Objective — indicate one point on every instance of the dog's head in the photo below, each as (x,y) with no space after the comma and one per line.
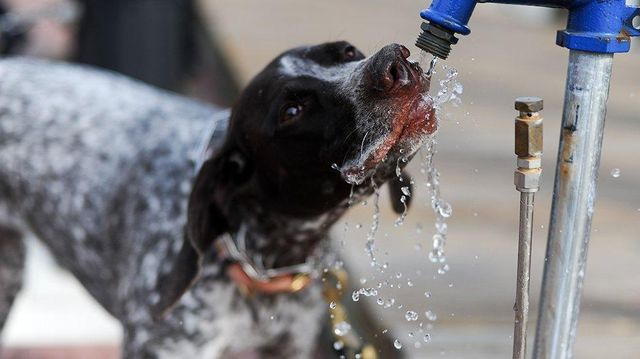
(316,114)
(316,122)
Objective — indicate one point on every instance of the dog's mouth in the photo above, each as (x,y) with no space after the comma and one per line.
(411,120)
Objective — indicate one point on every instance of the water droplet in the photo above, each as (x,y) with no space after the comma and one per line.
(438,240)
(398,275)
(355,296)
(409,283)
(427,338)
(436,256)
(368,292)
(427,294)
(335,166)
(444,269)
(615,173)
(431,315)
(444,209)
(338,345)
(411,316)
(332,305)
(405,191)
(389,303)
(450,285)
(380,301)
(342,328)
(397,344)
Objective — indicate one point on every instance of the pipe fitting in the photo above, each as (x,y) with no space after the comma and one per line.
(528,144)
(436,40)
(527,180)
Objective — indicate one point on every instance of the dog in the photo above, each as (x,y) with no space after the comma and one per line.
(202,230)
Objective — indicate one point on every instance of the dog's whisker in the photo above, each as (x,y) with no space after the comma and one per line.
(362,146)
(349,135)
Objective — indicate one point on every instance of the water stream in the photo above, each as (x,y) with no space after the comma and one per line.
(448,93)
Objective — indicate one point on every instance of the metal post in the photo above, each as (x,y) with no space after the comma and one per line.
(528,148)
(522,282)
(574,195)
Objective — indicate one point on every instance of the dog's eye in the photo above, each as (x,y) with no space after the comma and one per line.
(349,53)
(290,112)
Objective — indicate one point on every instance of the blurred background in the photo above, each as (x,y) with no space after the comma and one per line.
(511,52)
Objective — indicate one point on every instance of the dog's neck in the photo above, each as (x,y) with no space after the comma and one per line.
(279,240)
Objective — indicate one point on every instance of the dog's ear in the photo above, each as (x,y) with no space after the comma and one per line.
(396,193)
(206,221)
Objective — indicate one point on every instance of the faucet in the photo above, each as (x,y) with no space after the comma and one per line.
(593,25)
(596,29)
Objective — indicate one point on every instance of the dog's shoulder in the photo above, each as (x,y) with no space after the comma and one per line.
(94,158)
(57,114)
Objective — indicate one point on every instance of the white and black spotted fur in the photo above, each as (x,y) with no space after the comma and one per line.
(107,173)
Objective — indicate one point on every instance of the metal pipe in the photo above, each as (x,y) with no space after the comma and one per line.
(528,148)
(524,268)
(574,194)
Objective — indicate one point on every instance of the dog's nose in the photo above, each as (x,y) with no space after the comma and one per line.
(390,68)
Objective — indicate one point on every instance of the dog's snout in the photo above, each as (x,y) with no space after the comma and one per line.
(404,52)
(390,69)
(396,75)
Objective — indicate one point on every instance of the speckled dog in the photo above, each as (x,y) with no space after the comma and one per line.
(149,198)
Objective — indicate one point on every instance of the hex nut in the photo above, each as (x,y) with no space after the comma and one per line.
(529,162)
(439,32)
(528,135)
(529,104)
(527,180)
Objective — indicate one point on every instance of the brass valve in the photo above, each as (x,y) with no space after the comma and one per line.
(528,144)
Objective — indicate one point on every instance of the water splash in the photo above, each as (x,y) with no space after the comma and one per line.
(411,316)
(441,208)
(450,90)
(367,292)
(406,193)
(375,224)
(422,60)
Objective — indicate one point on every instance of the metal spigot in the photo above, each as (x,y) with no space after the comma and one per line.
(592,26)
(528,148)
(436,40)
